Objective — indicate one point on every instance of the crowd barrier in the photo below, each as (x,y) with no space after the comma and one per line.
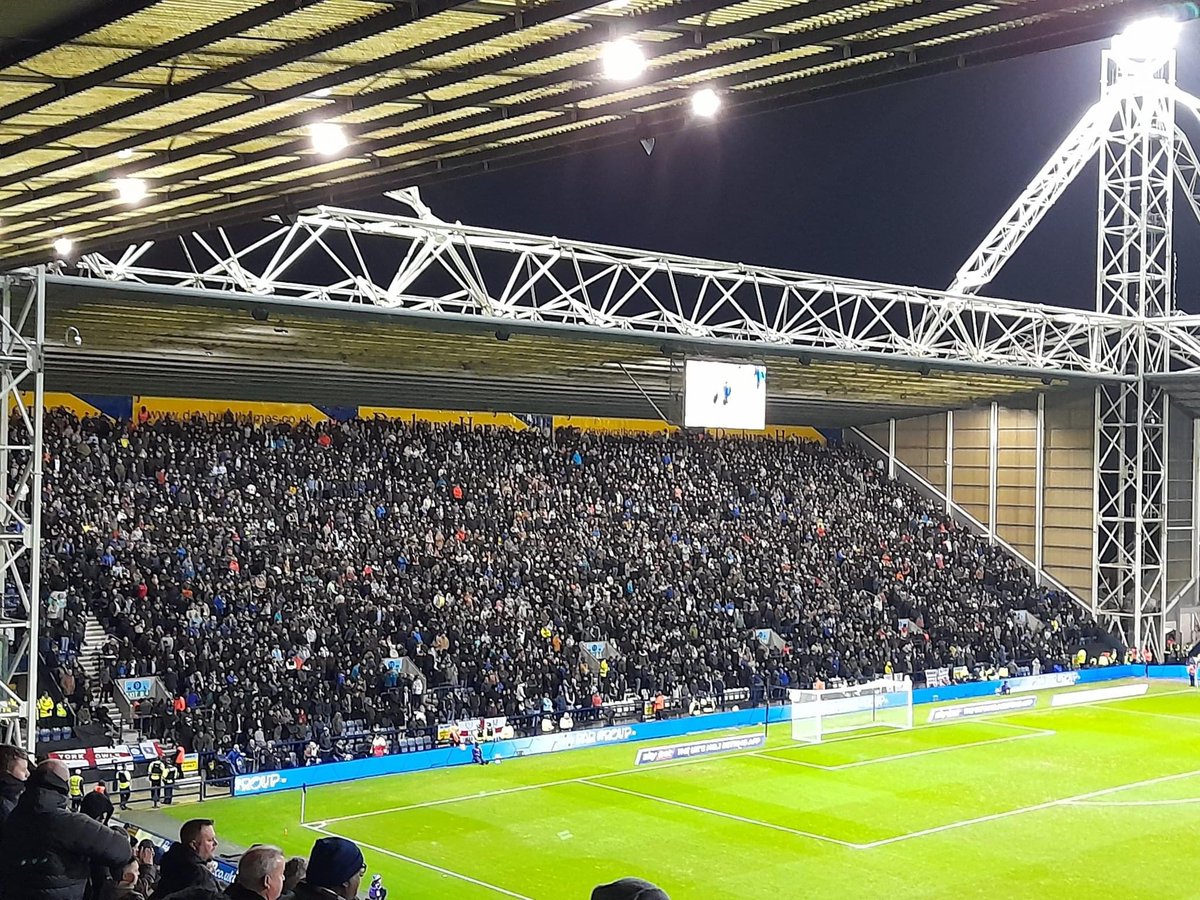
(330,773)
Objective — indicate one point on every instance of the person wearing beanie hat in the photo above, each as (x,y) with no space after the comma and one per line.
(335,869)
(629,889)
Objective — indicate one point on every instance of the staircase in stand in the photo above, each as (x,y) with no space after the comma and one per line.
(91,663)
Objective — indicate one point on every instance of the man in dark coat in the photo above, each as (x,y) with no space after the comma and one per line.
(46,851)
(185,865)
(14,770)
(335,870)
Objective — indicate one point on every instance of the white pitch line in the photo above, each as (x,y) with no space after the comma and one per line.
(482,795)
(1191,720)
(1049,804)
(435,868)
(793,762)
(1183,801)
(932,750)
(724,815)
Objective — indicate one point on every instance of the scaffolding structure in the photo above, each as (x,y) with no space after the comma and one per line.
(22,346)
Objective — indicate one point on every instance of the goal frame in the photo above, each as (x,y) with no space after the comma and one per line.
(882,703)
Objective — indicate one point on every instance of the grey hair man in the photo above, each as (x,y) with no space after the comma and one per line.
(259,875)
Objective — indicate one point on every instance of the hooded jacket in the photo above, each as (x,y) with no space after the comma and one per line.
(180,869)
(46,851)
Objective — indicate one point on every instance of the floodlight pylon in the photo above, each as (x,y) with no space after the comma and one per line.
(1143,152)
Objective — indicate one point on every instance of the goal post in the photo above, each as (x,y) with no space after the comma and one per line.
(885,703)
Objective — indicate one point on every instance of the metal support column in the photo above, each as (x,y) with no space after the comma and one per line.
(993,467)
(1137,174)
(22,346)
(891,449)
(949,461)
(1039,490)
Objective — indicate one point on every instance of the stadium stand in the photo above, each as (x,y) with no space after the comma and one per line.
(272,574)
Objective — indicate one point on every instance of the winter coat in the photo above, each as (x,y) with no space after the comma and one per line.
(46,851)
(181,868)
(10,791)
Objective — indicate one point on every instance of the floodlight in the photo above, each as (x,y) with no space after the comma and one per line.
(327,138)
(1147,38)
(705,102)
(125,154)
(130,190)
(63,246)
(321,92)
(623,60)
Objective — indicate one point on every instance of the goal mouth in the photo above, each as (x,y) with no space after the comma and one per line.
(881,704)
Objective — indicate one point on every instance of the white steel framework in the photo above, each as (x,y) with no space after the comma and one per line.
(1144,154)
(1134,335)
(22,343)
(452,268)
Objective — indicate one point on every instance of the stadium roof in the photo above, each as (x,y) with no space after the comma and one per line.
(160,341)
(210,101)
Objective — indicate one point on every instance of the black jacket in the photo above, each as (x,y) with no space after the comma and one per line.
(181,868)
(46,851)
(10,790)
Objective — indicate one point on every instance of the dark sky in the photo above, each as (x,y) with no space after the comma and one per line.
(897,184)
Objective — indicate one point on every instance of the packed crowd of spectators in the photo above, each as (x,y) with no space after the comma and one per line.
(273,575)
(50,852)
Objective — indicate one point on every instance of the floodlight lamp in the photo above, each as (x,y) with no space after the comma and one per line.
(1147,38)
(130,190)
(705,103)
(63,246)
(328,138)
(125,154)
(623,60)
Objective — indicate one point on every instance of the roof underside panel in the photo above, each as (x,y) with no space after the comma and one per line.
(211,101)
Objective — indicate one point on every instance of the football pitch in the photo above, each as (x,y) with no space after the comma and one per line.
(1046,802)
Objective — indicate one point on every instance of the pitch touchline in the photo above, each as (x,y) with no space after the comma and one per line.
(426,865)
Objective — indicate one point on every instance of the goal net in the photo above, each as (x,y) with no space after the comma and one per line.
(886,703)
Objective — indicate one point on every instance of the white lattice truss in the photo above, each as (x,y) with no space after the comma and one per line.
(1134,334)
(452,268)
(22,338)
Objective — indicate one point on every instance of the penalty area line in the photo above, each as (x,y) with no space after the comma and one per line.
(450,873)
(721,814)
(1076,800)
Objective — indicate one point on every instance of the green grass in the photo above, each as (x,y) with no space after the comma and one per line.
(893,814)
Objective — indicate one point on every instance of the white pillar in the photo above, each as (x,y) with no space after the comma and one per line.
(949,461)
(993,455)
(1039,490)
(892,449)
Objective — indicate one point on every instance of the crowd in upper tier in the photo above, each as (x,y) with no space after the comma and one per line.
(273,575)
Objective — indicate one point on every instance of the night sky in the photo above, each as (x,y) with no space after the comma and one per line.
(897,184)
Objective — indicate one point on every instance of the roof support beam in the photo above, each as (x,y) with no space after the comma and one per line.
(22,49)
(288,53)
(342,105)
(244,21)
(561,103)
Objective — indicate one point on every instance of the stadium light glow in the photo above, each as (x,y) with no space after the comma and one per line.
(125,154)
(131,190)
(1147,38)
(328,138)
(705,103)
(623,60)
(63,246)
